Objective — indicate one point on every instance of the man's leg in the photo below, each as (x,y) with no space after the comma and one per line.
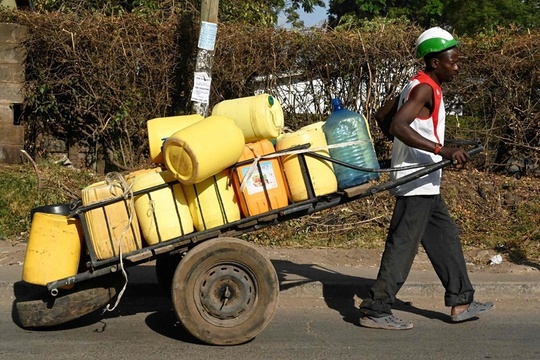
(443,247)
(409,220)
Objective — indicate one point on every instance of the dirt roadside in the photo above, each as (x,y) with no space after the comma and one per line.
(12,253)
(477,260)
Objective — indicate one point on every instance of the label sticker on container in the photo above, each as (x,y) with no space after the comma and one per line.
(254,184)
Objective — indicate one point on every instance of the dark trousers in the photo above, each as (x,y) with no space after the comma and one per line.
(419,219)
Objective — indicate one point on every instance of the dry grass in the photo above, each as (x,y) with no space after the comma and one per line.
(492,211)
(23,188)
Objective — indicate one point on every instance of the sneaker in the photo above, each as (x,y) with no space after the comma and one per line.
(389,322)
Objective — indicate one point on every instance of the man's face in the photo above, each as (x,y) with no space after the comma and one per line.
(447,65)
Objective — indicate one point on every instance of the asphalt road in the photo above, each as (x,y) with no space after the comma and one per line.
(302,328)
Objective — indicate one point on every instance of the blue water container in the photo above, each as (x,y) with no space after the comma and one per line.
(344,126)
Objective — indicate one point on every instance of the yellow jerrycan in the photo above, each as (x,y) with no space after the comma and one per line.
(321,172)
(159,129)
(203,149)
(54,248)
(163,214)
(212,202)
(114,227)
(260,116)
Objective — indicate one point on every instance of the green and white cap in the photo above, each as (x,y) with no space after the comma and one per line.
(434,40)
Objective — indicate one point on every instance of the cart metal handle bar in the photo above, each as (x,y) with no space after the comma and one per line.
(418,174)
(384,170)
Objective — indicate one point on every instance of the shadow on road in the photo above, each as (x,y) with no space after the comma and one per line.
(340,290)
(518,256)
(529,263)
(340,293)
(136,300)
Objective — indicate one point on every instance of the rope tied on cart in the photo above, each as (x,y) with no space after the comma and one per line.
(151,208)
(254,165)
(116,180)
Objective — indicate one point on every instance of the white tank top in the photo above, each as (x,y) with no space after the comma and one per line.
(431,128)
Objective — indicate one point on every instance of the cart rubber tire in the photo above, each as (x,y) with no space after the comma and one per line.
(35,307)
(165,267)
(224,291)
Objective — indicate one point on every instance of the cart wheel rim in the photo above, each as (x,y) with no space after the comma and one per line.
(226,294)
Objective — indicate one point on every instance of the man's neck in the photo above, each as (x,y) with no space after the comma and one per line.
(433,76)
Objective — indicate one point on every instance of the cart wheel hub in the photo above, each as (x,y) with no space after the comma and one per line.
(226,292)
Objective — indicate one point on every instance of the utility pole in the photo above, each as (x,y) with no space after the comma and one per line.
(200,95)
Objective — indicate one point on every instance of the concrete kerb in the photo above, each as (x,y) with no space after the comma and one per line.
(311,280)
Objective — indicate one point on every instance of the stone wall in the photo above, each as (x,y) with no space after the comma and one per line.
(11,82)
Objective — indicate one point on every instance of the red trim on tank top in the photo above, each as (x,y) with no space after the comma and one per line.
(424,78)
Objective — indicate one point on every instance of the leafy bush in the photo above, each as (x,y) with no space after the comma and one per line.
(94,80)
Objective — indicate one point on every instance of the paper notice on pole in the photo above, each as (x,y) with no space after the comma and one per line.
(201,88)
(207,36)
